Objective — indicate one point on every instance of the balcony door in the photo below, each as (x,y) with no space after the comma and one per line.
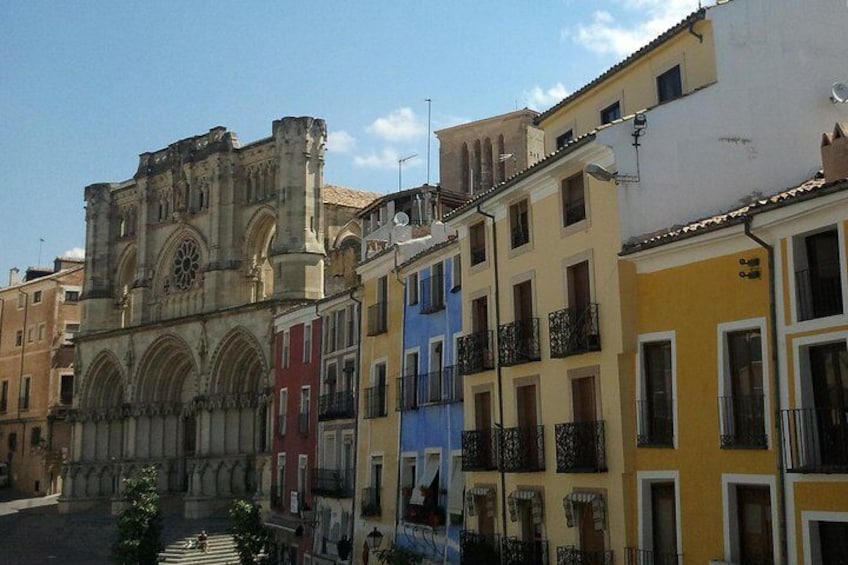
(480,315)
(485,515)
(663,519)
(583,399)
(753,506)
(483,411)
(829,368)
(825,284)
(528,420)
(579,295)
(591,540)
(585,416)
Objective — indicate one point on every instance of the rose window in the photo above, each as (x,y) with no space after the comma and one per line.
(186,265)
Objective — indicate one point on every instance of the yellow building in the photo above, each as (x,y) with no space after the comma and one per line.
(742,380)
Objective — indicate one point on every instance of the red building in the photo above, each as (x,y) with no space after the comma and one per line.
(297,345)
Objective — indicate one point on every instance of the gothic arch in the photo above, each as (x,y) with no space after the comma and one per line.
(103,384)
(167,372)
(165,257)
(352,229)
(124,278)
(238,364)
(261,229)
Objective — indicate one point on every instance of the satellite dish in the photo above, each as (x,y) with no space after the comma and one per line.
(839,93)
(401,219)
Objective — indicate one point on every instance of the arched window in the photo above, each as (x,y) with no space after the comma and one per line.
(465,170)
(487,179)
(475,185)
(502,158)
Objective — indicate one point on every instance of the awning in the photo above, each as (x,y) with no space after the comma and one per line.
(457,482)
(471,499)
(430,471)
(533,496)
(593,498)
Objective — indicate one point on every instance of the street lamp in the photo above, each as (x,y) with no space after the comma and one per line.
(374,539)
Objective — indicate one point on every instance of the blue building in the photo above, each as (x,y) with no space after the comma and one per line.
(429,398)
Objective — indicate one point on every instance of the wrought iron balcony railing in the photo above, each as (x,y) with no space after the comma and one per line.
(440,387)
(654,423)
(377,319)
(478,255)
(636,556)
(574,331)
(479,450)
(433,294)
(575,211)
(518,342)
(371,503)
(407,393)
(477,549)
(336,405)
(333,483)
(303,423)
(816,440)
(523,449)
(570,555)
(519,552)
(580,447)
(819,296)
(475,353)
(375,401)
(743,421)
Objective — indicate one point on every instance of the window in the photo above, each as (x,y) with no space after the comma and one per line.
(752,541)
(303,414)
(610,113)
(340,327)
(829,540)
(30,334)
(669,85)
(281,479)
(71,331)
(742,406)
(25,390)
(4,396)
(282,410)
(350,334)
(375,395)
(519,224)
(36,297)
(372,503)
(12,441)
(378,312)
(433,289)
(66,389)
(456,272)
(330,333)
(818,283)
(307,343)
(564,139)
(19,338)
(21,299)
(573,200)
(412,289)
(41,330)
(663,521)
(35,436)
(72,296)
(655,414)
(407,484)
(302,473)
(477,241)
(285,354)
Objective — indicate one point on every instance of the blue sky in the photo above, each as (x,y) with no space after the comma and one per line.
(87,86)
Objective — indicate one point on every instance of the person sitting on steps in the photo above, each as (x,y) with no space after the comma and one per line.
(201,541)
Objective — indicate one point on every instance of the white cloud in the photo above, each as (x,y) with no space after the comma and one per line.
(401,124)
(385,160)
(609,36)
(539,99)
(74,253)
(340,142)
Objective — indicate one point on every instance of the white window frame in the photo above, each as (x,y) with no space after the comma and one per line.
(729,482)
(801,362)
(456,273)
(644,480)
(37,297)
(810,538)
(282,410)
(286,353)
(281,484)
(669,336)
(412,293)
(724,386)
(307,343)
(792,240)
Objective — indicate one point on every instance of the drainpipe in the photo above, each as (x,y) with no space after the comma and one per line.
(22,440)
(498,369)
(400,416)
(781,473)
(355,387)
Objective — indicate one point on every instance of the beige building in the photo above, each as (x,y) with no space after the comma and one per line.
(39,315)
(187,263)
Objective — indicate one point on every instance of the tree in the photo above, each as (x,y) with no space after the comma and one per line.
(397,555)
(140,524)
(250,535)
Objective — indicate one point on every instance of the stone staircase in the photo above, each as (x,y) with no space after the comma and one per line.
(220,550)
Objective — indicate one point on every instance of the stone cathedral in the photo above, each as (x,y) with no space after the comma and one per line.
(186,264)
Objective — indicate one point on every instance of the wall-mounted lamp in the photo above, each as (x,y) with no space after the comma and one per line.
(753,265)
(374,539)
(640,124)
(598,172)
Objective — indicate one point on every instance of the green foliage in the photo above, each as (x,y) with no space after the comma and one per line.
(396,555)
(249,533)
(140,524)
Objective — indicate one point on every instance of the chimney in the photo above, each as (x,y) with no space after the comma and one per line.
(14,276)
(834,153)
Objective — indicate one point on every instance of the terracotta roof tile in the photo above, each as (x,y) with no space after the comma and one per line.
(349,197)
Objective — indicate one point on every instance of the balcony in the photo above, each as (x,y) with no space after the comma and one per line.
(377,319)
(371,506)
(655,423)
(431,513)
(580,447)
(819,296)
(816,440)
(743,424)
(375,401)
(303,423)
(333,483)
(479,450)
(440,387)
(433,294)
(475,353)
(336,405)
(477,548)
(518,552)
(407,393)
(518,342)
(523,449)
(570,555)
(574,331)
(636,556)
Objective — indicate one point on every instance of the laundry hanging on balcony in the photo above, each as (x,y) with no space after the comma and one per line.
(534,497)
(430,472)
(593,498)
(471,500)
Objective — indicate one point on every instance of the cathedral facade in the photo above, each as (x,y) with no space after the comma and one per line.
(186,265)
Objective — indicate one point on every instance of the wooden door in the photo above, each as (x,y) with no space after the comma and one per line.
(579,295)
(583,399)
(523,301)
(480,315)
(483,411)
(485,516)
(753,506)
(591,540)
(528,420)
(585,417)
